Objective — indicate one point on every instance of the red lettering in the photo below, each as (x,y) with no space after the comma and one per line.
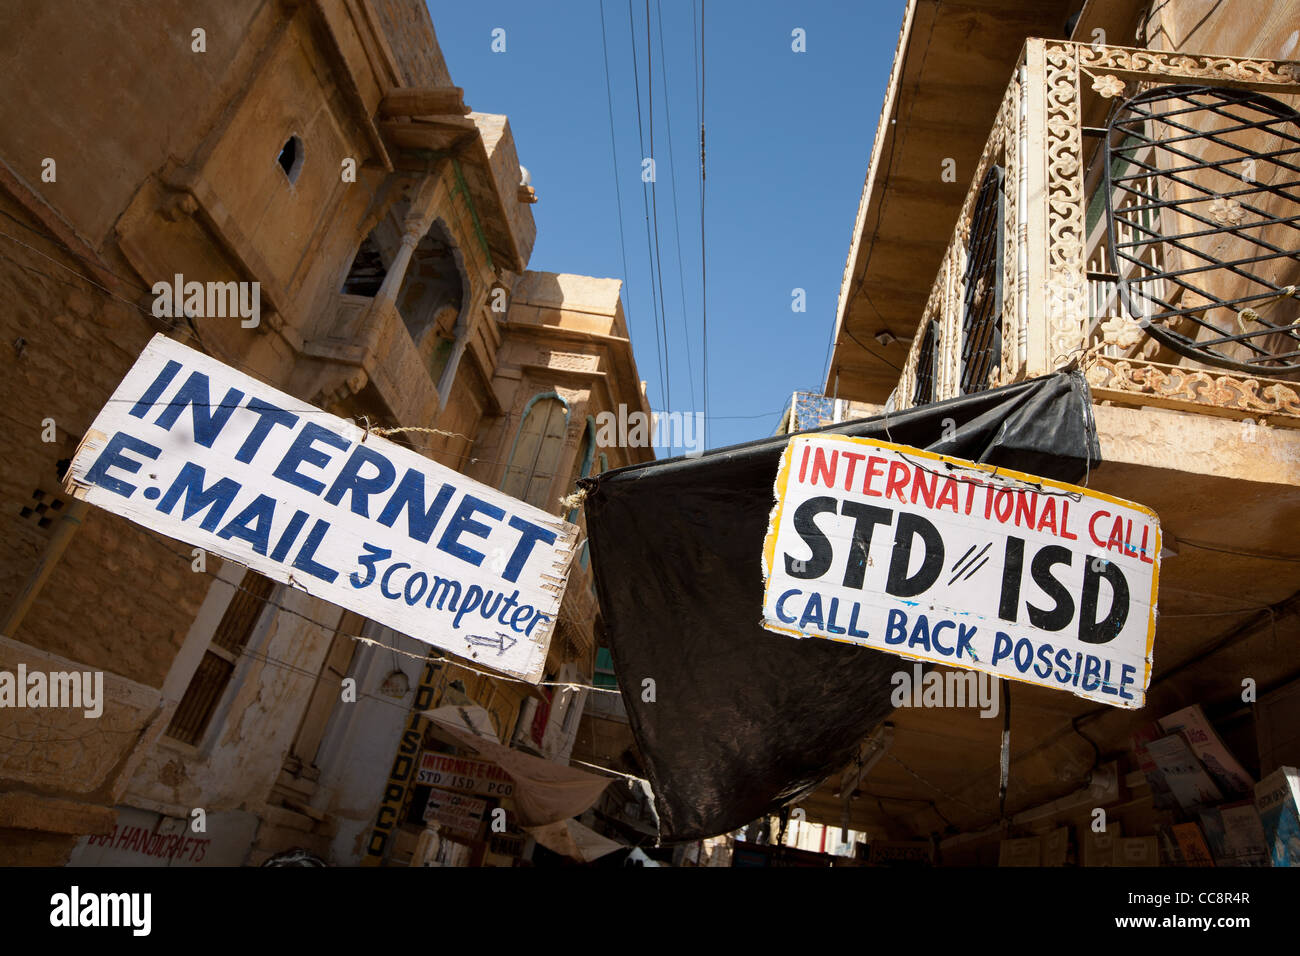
(803,463)
(824,471)
(1092,527)
(970,493)
(1065,522)
(1146,555)
(1048,517)
(920,490)
(1026,509)
(853,458)
(874,465)
(948,497)
(898,475)
(1116,540)
(1003,497)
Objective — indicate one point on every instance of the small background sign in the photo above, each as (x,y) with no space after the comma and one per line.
(945,560)
(465,774)
(460,814)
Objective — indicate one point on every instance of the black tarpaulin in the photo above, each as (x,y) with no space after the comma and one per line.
(744,720)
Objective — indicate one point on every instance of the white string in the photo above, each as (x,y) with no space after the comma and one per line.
(567,685)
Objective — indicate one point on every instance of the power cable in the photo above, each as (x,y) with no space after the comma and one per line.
(613,147)
(677,229)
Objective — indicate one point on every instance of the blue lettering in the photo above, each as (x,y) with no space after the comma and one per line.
(934,637)
(268,416)
(306,554)
(350,480)
(259,536)
(189,483)
(112,457)
(207,421)
(780,605)
(155,390)
(812,612)
(529,535)
(302,451)
(462,521)
(897,624)
(1001,648)
(374,554)
(383,582)
(410,495)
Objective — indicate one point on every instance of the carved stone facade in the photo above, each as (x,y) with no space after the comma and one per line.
(1038,137)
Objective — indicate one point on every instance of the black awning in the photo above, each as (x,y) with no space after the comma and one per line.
(744,720)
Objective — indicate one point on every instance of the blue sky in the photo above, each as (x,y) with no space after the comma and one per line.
(788,138)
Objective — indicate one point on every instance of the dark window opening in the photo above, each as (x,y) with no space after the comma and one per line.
(923,392)
(290,158)
(367,272)
(981,324)
(209,682)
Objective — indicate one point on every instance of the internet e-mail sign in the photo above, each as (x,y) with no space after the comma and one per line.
(202,453)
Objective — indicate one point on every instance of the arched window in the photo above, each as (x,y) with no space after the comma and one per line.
(923,392)
(536,455)
(981,321)
(586,453)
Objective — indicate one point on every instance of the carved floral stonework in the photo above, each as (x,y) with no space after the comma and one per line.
(1189,66)
(1067,296)
(1012,332)
(1227,212)
(1121,331)
(1195,386)
(1108,86)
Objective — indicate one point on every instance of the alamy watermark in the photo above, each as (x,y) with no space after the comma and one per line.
(58,689)
(209,300)
(76,909)
(945,689)
(636,429)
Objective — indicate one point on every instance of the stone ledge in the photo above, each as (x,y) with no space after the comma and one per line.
(28,811)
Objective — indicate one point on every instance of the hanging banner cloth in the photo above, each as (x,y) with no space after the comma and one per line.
(574,840)
(734,721)
(545,791)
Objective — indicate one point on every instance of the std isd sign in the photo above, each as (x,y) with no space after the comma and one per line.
(945,560)
(210,456)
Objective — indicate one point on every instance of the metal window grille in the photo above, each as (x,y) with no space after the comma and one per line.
(218,665)
(923,391)
(981,338)
(1203,210)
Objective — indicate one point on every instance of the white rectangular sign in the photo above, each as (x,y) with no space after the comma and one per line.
(464,773)
(942,559)
(210,456)
(461,814)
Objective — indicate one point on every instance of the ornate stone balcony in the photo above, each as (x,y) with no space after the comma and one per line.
(1135,212)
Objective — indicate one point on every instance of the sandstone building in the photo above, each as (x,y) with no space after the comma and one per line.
(321,150)
(1111,185)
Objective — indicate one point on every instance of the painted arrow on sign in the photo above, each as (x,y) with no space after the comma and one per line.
(499,641)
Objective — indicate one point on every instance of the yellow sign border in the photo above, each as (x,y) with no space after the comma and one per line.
(774,522)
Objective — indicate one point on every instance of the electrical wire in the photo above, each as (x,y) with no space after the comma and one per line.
(677,228)
(613,148)
(704,268)
(645,201)
(657,262)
